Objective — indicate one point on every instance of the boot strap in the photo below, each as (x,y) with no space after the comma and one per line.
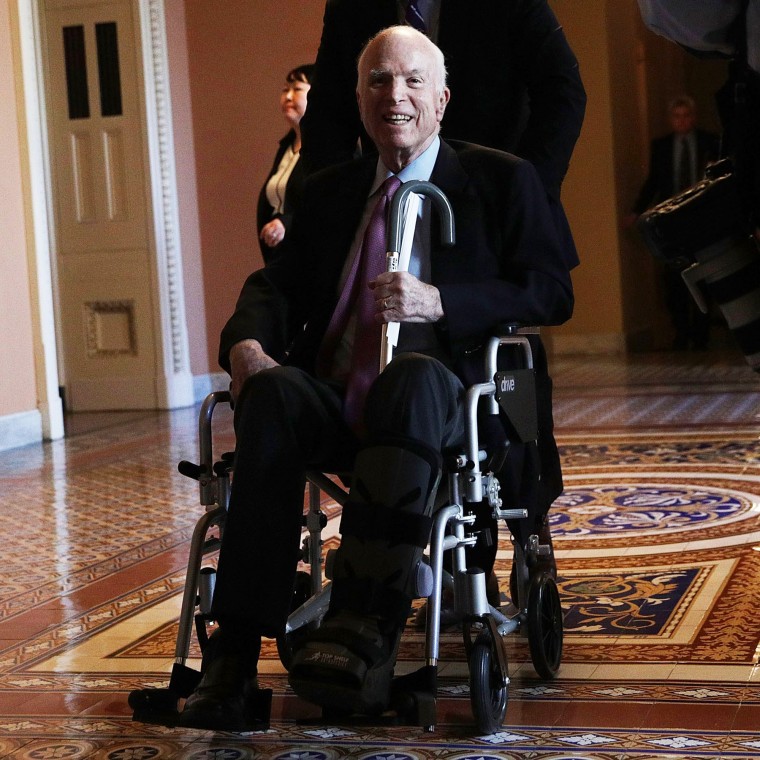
(369,522)
(366,596)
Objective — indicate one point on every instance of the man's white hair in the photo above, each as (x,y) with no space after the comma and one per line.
(440,63)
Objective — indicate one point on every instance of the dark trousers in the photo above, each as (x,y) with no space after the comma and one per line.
(288,422)
(692,327)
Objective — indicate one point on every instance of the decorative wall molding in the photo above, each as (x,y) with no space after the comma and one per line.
(163,181)
(104,335)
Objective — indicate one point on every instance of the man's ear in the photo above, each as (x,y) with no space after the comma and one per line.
(443,100)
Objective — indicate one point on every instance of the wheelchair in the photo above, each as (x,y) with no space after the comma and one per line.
(535,611)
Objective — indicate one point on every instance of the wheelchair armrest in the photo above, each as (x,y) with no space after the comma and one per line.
(506,335)
(514,328)
(514,336)
(205,471)
(512,391)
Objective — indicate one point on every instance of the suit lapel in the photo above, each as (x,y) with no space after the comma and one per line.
(449,175)
(337,221)
(350,201)
(448,172)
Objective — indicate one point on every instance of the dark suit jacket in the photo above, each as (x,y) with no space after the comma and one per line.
(514,81)
(658,186)
(264,210)
(507,266)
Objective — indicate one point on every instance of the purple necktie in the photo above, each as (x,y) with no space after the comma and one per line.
(414,17)
(357,297)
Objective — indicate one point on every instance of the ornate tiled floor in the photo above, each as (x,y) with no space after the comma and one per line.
(657,538)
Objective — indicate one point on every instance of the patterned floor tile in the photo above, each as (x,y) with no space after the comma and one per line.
(658,543)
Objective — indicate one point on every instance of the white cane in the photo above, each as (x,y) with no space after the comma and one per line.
(396,229)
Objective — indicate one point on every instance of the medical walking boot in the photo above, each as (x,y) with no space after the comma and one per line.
(347,664)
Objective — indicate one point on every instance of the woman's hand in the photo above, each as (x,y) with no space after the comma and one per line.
(272,233)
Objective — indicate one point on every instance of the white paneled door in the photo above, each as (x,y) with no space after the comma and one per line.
(106,285)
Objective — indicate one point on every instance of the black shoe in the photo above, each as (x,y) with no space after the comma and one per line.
(545,562)
(224,698)
(221,701)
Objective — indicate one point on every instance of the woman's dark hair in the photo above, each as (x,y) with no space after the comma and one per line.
(301,73)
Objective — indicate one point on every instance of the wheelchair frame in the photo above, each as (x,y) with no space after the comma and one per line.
(538,607)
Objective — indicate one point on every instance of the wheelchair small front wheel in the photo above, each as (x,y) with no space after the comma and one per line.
(544,622)
(488,686)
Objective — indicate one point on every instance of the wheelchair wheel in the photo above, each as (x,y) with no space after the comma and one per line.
(488,686)
(544,625)
(287,643)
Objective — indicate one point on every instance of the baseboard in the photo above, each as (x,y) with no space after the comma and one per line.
(20,429)
(642,340)
(597,343)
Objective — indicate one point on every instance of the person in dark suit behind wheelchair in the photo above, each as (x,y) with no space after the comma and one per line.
(518,88)
(302,356)
(677,161)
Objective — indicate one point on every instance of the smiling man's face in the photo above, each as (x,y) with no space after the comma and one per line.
(401,95)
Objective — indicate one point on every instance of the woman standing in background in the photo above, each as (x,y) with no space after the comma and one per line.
(278,197)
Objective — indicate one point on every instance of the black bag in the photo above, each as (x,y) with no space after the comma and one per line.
(683,229)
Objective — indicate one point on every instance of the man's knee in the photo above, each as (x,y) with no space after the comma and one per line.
(415,372)
(268,380)
(415,396)
(268,392)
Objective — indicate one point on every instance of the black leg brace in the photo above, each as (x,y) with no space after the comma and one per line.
(348,663)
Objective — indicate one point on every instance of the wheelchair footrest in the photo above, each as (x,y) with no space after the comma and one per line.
(183,680)
(413,697)
(259,711)
(161,706)
(155,706)
(413,703)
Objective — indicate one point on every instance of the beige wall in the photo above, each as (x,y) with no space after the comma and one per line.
(17,373)
(239,53)
(630,75)
(588,191)
(237,58)
(227,61)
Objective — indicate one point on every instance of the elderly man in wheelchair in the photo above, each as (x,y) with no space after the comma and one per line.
(303,351)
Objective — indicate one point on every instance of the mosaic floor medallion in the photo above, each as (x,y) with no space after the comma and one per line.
(635,509)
